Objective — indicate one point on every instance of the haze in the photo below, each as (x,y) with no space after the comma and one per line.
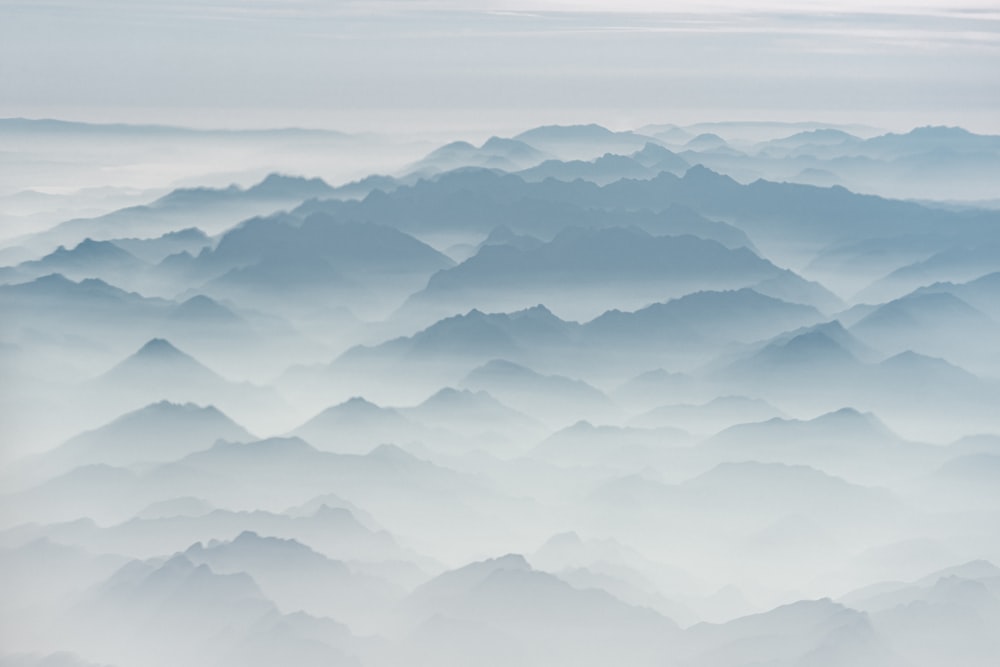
(444,334)
(488,67)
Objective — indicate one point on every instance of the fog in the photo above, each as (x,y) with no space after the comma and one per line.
(711,394)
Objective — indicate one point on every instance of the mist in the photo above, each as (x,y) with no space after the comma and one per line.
(483,334)
(570,396)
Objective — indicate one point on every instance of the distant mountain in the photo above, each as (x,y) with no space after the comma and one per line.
(703,318)
(269,474)
(835,331)
(771,212)
(440,355)
(86,305)
(928,139)
(215,210)
(163,363)
(358,426)
(505,236)
(495,153)
(568,552)
(191,240)
(965,482)
(362,188)
(904,617)
(706,141)
(333,531)
(51,575)
(754,491)
(387,481)
(297,577)
(549,398)
(540,615)
(982,293)
(821,178)
(582,141)
(855,264)
(277,187)
(886,595)
(711,417)
(159,371)
(219,330)
(930,396)
(853,428)
(909,366)
(268,282)
(656,157)
(819,351)
(329,501)
(205,312)
(820,137)
(953,264)
(694,326)
(932,323)
(646,163)
(452,585)
(88,259)
(475,414)
(481,200)
(845,443)
(669,133)
(159,432)
(267,258)
(607,265)
(813,369)
(95,491)
(605,169)
(806,632)
(763,130)
(150,601)
(920,311)
(789,286)
(474,337)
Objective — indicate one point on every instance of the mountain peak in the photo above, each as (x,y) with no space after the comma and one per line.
(940,131)
(282,185)
(159,349)
(847,413)
(701,174)
(590,130)
(89,249)
(172,408)
(706,140)
(537,309)
(359,404)
(908,360)
(507,145)
(392,453)
(451,397)
(512,562)
(853,418)
(276,445)
(203,309)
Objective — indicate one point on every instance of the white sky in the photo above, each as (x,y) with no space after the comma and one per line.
(507,63)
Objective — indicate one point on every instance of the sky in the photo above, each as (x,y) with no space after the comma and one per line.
(509,64)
